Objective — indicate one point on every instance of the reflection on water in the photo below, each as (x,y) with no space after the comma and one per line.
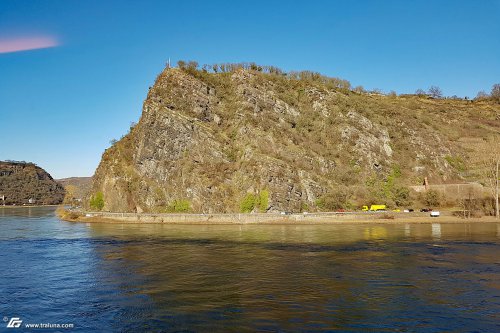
(132,278)
(407,230)
(436,231)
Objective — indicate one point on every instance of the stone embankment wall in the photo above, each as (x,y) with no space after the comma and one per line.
(243,218)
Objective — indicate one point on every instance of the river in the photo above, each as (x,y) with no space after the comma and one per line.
(248,278)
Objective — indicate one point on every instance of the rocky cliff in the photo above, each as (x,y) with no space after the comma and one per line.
(244,140)
(26,183)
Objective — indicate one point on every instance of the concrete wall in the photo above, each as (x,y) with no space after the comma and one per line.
(234,218)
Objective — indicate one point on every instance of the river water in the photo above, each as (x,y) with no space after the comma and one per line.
(248,278)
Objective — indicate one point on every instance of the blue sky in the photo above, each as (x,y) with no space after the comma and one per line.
(60,106)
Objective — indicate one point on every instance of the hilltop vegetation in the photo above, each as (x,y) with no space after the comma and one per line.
(22,181)
(243,137)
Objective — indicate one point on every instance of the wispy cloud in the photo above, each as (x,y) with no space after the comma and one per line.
(27,43)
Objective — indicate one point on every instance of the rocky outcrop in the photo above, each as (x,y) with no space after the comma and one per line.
(212,139)
(26,183)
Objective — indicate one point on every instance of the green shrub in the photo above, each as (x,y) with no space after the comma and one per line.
(179,206)
(335,200)
(321,203)
(456,162)
(263,201)
(401,196)
(432,198)
(389,190)
(97,201)
(389,187)
(248,203)
(380,191)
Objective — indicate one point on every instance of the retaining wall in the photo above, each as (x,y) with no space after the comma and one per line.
(243,218)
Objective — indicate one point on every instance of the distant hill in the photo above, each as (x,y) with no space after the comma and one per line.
(26,183)
(76,187)
(246,138)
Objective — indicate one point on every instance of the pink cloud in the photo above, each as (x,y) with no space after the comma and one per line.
(27,43)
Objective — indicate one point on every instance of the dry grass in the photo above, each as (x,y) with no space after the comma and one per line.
(67,215)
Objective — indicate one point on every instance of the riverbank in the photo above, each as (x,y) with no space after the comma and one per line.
(311,218)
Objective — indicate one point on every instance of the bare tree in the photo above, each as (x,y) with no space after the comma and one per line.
(495,91)
(420,92)
(489,166)
(192,65)
(181,64)
(469,204)
(359,89)
(435,92)
(493,177)
(481,95)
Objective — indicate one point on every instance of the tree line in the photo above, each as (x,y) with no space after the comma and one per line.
(334,82)
(436,92)
(193,66)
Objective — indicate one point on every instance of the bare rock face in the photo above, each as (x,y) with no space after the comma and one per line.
(25,183)
(212,139)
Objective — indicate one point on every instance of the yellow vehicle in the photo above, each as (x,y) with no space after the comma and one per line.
(374,208)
